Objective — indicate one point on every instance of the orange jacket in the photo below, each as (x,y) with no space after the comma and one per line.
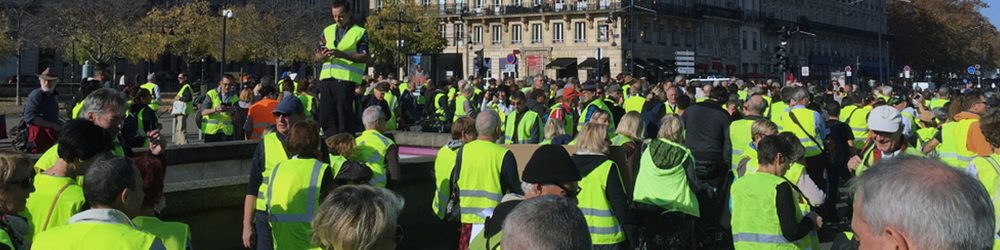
(976,142)
(260,114)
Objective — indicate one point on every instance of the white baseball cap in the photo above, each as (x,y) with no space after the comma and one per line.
(885,119)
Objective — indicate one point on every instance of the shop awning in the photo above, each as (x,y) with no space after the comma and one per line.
(641,63)
(703,66)
(591,63)
(716,66)
(731,67)
(661,64)
(561,63)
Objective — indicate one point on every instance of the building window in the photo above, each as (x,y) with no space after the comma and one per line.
(580,29)
(425,3)
(515,34)
(602,33)
(536,33)
(537,2)
(661,35)
(459,34)
(497,34)
(378,4)
(444,33)
(755,41)
(744,40)
(557,33)
(687,36)
(674,37)
(477,37)
(646,36)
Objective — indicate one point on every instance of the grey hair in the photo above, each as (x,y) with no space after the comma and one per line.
(371,115)
(756,90)
(104,99)
(940,113)
(469,89)
(935,205)
(797,93)
(546,222)
(887,90)
(487,122)
(529,188)
(757,107)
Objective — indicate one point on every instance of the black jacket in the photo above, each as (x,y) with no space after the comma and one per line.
(707,133)
(615,192)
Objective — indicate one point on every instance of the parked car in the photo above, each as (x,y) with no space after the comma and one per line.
(26,80)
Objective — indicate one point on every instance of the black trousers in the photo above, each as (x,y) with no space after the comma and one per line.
(336,107)
(217,137)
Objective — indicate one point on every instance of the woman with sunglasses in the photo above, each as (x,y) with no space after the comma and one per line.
(16,178)
(296,187)
(603,199)
(358,217)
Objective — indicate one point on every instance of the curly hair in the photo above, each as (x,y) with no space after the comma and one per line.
(989,123)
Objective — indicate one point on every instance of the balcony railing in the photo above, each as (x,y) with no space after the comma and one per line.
(471,9)
(557,40)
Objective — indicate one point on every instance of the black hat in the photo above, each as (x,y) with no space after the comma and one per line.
(589,85)
(550,164)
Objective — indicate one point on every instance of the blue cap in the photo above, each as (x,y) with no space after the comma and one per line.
(289,105)
(283,75)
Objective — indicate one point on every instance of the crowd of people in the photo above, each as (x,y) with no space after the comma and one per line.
(621,163)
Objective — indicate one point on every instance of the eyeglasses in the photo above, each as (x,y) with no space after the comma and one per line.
(569,194)
(26,183)
(399,234)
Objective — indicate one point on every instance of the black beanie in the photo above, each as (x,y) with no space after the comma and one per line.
(550,164)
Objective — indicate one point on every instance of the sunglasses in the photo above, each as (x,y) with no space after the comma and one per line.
(26,183)
(569,194)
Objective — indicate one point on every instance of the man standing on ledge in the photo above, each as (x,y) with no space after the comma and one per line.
(344,52)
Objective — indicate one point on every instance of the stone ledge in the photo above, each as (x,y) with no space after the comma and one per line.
(205,184)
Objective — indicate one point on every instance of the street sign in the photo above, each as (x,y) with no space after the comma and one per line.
(511,59)
(977,66)
(688,63)
(510,68)
(599,53)
(972,70)
(848,68)
(685,70)
(805,70)
(906,68)
(906,71)
(684,53)
(684,58)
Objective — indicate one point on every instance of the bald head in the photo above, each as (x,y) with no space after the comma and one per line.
(756,105)
(487,123)
(943,92)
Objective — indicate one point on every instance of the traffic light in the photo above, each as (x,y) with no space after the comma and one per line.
(480,63)
(780,51)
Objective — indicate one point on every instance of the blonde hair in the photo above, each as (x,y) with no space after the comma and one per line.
(554,127)
(342,144)
(671,128)
(356,217)
(593,138)
(247,95)
(9,162)
(631,126)
(600,113)
(657,93)
(763,127)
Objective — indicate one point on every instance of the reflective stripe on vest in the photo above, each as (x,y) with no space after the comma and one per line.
(603,225)
(953,149)
(740,138)
(274,153)
(478,182)
(807,119)
(340,68)
(857,118)
(755,218)
(212,123)
(261,116)
(310,203)
(372,147)
(521,127)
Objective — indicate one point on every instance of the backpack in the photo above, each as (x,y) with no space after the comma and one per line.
(19,136)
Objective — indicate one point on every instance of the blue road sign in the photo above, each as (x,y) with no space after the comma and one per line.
(965,80)
(972,70)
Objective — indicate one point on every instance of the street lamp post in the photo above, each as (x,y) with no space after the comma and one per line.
(226,14)
(631,35)
(398,59)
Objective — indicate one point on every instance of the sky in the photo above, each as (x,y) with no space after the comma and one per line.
(993,12)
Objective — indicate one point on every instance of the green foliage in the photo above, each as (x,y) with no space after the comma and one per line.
(382,43)
(929,39)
